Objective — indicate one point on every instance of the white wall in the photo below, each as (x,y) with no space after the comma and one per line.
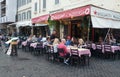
(69,4)
(11,10)
(25,7)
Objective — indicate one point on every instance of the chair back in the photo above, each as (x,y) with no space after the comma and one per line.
(89,45)
(107,48)
(60,50)
(99,46)
(50,49)
(40,45)
(74,52)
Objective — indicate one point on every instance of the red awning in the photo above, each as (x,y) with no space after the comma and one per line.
(40,19)
(82,11)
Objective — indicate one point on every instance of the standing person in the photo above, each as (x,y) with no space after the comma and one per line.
(14,48)
(53,36)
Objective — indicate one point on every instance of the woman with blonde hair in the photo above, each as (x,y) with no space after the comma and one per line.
(55,44)
(56,41)
(80,42)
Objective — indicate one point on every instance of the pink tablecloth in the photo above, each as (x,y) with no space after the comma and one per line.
(82,51)
(113,48)
(33,45)
(24,43)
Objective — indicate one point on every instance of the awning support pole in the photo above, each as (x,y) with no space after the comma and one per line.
(107,34)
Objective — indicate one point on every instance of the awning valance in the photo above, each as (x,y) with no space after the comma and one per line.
(23,23)
(40,19)
(81,11)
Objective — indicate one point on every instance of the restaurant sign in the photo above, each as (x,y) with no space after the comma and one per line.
(105,13)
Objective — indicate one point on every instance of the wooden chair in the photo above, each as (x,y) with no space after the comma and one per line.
(108,51)
(50,52)
(61,58)
(89,46)
(39,48)
(74,56)
(98,50)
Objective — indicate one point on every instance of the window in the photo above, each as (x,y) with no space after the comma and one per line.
(19,17)
(23,16)
(23,2)
(18,3)
(44,4)
(28,14)
(35,9)
(39,5)
(56,1)
(28,1)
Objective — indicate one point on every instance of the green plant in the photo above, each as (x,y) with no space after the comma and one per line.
(51,22)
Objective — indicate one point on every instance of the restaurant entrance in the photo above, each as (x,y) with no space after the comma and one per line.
(24,31)
(79,28)
(41,30)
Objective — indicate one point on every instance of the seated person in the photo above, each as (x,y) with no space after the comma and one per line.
(80,42)
(110,39)
(68,42)
(65,53)
(100,41)
(55,44)
(34,38)
(29,39)
(47,42)
(73,41)
(113,40)
(39,39)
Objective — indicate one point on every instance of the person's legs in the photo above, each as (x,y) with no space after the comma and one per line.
(67,57)
(15,47)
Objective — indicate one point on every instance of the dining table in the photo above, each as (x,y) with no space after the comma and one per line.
(81,51)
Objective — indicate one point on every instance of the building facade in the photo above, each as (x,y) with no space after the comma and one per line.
(24,16)
(7,13)
(42,9)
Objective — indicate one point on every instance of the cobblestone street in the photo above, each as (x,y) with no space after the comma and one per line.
(28,65)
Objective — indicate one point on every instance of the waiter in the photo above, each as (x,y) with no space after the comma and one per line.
(14,48)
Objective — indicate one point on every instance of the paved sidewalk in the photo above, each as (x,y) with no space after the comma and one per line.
(27,65)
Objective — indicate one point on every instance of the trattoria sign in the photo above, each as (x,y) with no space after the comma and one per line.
(98,12)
